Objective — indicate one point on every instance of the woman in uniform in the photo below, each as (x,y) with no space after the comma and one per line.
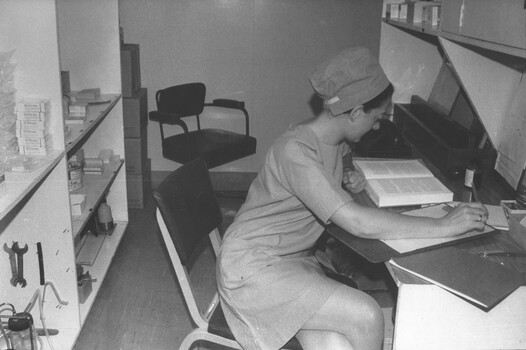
(271,289)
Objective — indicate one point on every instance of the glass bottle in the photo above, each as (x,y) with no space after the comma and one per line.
(473,175)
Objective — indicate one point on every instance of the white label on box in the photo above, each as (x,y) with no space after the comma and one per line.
(23,115)
(34,142)
(26,134)
(33,151)
(31,124)
(31,105)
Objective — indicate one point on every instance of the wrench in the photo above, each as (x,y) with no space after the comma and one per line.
(20,260)
(14,271)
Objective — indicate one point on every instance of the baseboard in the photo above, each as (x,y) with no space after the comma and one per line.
(221,180)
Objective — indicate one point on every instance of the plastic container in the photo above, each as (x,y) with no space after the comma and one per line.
(23,333)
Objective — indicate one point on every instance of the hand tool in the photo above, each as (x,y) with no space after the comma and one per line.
(41,263)
(20,263)
(12,261)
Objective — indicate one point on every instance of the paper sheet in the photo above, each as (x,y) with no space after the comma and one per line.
(436,211)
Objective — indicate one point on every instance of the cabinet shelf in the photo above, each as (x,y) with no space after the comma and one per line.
(94,187)
(420,28)
(104,246)
(20,185)
(97,112)
(492,46)
(36,206)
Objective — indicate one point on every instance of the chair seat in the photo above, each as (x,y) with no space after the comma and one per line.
(217,325)
(214,146)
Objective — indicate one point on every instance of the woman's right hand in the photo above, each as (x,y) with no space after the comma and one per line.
(466,217)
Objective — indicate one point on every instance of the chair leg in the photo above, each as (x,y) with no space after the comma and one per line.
(199,334)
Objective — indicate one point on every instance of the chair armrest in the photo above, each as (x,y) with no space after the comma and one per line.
(227,103)
(167,118)
(233,104)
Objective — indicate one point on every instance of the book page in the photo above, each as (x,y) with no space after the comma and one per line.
(408,186)
(381,169)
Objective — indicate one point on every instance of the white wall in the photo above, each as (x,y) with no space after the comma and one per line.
(259,51)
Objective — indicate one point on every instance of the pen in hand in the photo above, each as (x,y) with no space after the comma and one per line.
(475,194)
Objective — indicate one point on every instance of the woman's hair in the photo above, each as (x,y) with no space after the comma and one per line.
(379,99)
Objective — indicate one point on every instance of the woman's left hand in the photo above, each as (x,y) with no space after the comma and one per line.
(353,180)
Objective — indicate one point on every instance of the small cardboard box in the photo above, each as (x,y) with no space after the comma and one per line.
(77,203)
(416,9)
(136,155)
(138,187)
(517,229)
(136,114)
(431,14)
(392,11)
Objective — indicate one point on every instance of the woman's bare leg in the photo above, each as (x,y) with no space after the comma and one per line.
(350,313)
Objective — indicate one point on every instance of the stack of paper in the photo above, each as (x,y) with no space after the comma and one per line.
(31,127)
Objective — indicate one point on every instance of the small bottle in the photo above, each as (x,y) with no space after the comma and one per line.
(520,195)
(66,102)
(104,218)
(473,175)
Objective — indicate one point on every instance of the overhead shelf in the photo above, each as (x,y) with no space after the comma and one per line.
(20,185)
(99,251)
(415,27)
(97,112)
(94,187)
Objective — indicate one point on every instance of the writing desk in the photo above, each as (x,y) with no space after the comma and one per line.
(428,317)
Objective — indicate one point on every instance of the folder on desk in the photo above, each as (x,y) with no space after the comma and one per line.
(480,281)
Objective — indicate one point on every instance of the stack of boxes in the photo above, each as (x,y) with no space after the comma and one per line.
(414,12)
(31,127)
(135,108)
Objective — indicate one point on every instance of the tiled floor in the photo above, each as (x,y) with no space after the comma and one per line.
(139,305)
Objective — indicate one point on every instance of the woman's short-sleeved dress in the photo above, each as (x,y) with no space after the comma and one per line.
(269,285)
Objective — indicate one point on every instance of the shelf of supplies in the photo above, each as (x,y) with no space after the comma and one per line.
(94,186)
(415,27)
(101,264)
(97,112)
(20,185)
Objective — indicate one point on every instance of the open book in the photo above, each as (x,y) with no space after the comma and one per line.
(401,182)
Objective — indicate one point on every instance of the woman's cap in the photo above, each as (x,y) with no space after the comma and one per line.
(348,80)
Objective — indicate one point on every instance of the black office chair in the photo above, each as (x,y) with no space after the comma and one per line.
(187,212)
(215,146)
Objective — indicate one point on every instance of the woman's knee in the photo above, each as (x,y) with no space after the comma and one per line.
(373,315)
(315,339)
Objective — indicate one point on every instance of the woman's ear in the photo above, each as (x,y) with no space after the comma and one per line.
(356,113)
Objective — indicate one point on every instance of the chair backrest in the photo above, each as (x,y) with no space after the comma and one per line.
(189,208)
(187,211)
(184,100)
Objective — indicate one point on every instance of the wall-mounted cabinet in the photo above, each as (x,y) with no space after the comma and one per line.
(496,25)
(484,42)
(47,37)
